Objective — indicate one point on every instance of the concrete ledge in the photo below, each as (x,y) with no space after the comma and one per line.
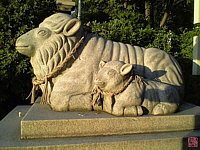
(10,139)
(41,122)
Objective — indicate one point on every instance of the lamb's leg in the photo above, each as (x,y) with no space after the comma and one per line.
(116,107)
(108,104)
(118,110)
(164,108)
(133,111)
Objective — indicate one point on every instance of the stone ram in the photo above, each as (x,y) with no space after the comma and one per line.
(65,61)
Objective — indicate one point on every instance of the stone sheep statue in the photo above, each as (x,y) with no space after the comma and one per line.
(127,94)
(65,61)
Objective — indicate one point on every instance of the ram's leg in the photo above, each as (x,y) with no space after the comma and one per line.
(164,108)
(133,111)
(60,101)
(80,102)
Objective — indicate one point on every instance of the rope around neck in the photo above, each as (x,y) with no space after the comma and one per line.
(36,82)
(99,91)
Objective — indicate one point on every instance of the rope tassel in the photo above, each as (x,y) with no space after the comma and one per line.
(52,74)
(34,89)
(96,96)
(45,92)
(97,91)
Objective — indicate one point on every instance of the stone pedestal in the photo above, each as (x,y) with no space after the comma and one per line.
(38,127)
(65,5)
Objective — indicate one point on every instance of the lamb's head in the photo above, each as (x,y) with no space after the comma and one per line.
(113,75)
(49,44)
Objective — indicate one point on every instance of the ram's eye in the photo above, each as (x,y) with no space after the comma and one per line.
(42,33)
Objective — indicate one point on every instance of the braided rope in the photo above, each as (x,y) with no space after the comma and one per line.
(99,91)
(36,82)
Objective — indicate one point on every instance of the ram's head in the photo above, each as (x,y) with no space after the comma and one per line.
(50,43)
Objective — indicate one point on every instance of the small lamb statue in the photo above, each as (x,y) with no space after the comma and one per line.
(127,94)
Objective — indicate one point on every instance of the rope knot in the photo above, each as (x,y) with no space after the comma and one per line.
(52,74)
(97,91)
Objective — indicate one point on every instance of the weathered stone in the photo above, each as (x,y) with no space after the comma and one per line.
(66,59)
(10,136)
(127,94)
(41,122)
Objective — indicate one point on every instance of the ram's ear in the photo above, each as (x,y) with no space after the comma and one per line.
(72,27)
(125,69)
(101,64)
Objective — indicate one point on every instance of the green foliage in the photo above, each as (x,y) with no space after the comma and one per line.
(181,16)
(118,21)
(123,30)
(185,57)
(18,17)
(186,42)
(164,39)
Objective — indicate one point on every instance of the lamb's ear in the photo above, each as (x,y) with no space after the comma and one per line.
(125,69)
(101,64)
(72,27)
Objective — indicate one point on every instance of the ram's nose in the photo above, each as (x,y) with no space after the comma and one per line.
(18,40)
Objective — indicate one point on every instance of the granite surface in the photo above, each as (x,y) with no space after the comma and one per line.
(10,137)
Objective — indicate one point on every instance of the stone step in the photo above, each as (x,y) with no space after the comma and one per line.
(10,138)
(41,122)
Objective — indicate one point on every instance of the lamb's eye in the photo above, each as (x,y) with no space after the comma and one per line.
(111,72)
(42,33)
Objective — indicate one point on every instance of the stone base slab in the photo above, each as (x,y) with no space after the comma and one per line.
(41,122)
(10,139)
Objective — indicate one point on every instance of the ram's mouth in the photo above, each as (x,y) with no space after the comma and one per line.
(26,50)
(21,48)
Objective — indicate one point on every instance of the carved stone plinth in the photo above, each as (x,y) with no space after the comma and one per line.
(41,122)
(91,123)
